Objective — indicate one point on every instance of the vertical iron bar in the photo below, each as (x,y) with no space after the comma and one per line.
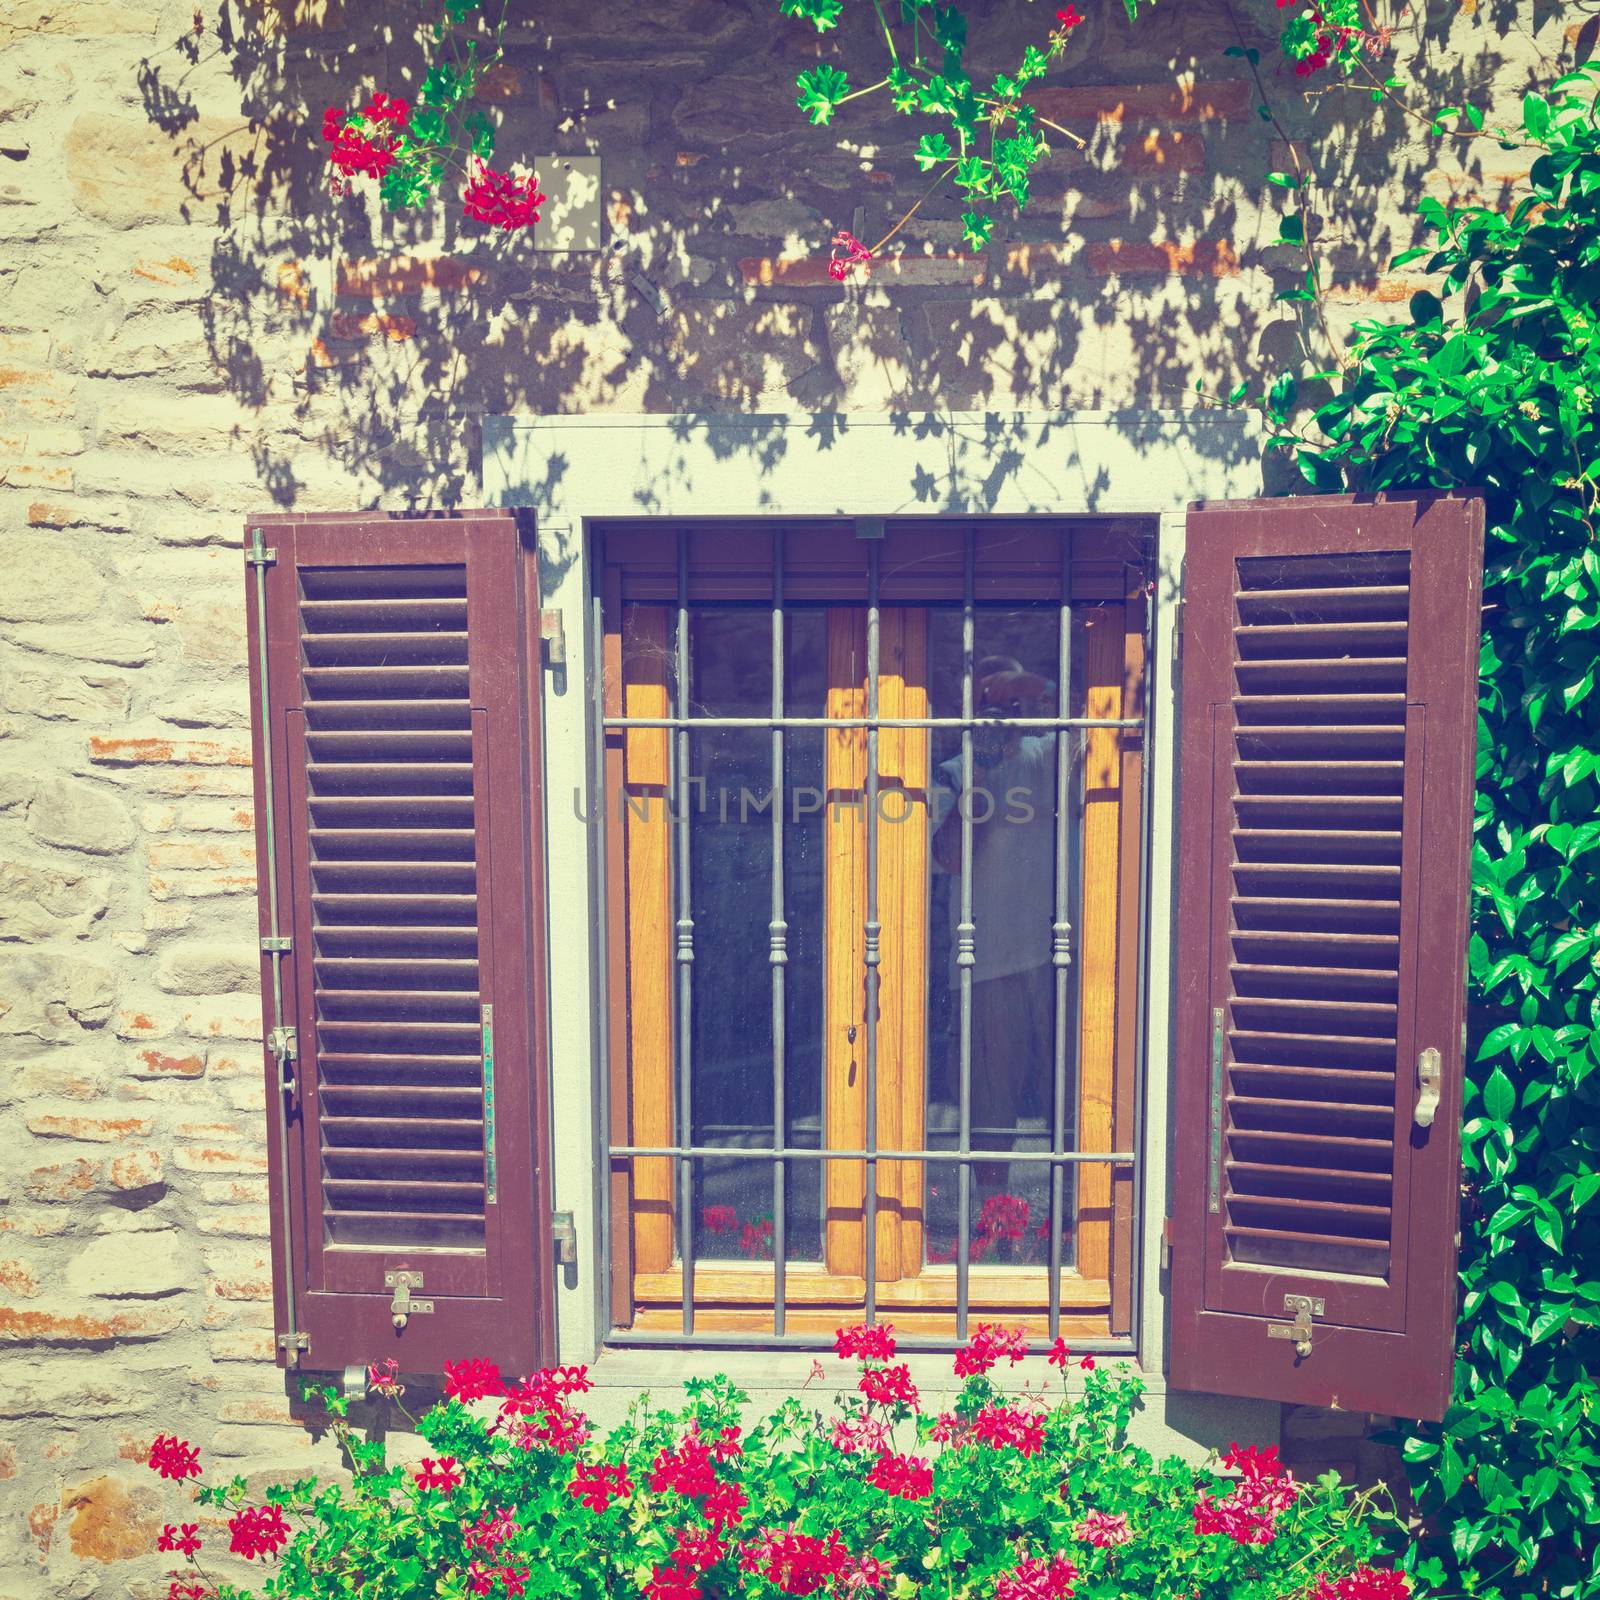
(1146,708)
(871,934)
(1061,928)
(965,945)
(599,801)
(778,955)
(685,948)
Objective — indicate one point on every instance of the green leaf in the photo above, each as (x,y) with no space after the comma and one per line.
(976,228)
(823,14)
(1499,1096)
(932,149)
(821,89)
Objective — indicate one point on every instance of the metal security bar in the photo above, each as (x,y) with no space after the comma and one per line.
(686,1151)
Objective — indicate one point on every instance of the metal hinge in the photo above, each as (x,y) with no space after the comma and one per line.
(554,636)
(403,1307)
(564,1236)
(1166,1242)
(292,1344)
(277,942)
(1177,631)
(1304,1307)
(258,553)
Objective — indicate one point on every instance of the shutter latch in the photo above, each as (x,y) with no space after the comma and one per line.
(1304,1308)
(1429,1078)
(553,631)
(284,1046)
(564,1235)
(403,1307)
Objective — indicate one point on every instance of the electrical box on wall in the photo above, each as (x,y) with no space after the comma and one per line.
(570,217)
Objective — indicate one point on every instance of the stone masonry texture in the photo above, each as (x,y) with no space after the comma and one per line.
(193,328)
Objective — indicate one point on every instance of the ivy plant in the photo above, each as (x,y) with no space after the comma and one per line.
(1491,383)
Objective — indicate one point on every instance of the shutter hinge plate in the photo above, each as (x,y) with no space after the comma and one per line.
(292,1344)
(279,943)
(1166,1242)
(258,553)
(564,1235)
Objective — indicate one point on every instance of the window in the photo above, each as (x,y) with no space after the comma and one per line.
(792,1079)
(825,1028)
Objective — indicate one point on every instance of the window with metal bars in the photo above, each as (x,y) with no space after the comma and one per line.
(873,803)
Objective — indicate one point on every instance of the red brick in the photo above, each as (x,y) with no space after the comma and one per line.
(1135,258)
(374,325)
(1163,103)
(150,751)
(157,1063)
(1153,153)
(803,272)
(94,1130)
(18,1326)
(369,279)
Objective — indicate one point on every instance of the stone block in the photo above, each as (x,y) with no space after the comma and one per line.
(61,1075)
(59,584)
(112,1518)
(209,1158)
(79,1325)
(139,1169)
(144,750)
(238,1273)
(118,646)
(80,816)
(178,855)
(144,1266)
(38,903)
(159,1064)
(71,696)
(125,171)
(62,1181)
(18,1279)
(51,1389)
(194,966)
(53,995)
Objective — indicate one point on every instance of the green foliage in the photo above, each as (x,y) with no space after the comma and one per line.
(1002,1495)
(1492,384)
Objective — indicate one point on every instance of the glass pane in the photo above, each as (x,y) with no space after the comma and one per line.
(730,845)
(1012,803)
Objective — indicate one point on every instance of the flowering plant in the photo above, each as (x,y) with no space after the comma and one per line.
(1011,1495)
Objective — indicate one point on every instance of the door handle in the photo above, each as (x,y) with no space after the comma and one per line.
(1429,1078)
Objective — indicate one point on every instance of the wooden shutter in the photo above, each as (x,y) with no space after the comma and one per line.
(1330,660)
(397,739)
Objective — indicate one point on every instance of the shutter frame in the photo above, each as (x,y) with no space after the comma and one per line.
(500,1307)
(1395,1355)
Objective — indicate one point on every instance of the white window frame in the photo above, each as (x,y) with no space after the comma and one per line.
(573,471)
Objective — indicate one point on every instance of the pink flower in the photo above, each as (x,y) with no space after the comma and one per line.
(443,1474)
(597,1486)
(873,1344)
(848,251)
(383,1377)
(472,1380)
(501,199)
(905,1477)
(257,1531)
(1103,1529)
(860,1435)
(184,1541)
(889,1386)
(1038,1579)
(173,1458)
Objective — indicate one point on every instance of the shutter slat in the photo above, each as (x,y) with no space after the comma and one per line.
(379,973)
(383,650)
(1375,602)
(396,682)
(1321,675)
(394,843)
(1266,980)
(373,942)
(391,744)
(397,907)
(389,612)
(369,779)
(1286,709)
(426,811)
(1317,845)
(327,715)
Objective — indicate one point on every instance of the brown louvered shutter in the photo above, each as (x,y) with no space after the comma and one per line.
(397,739)
(1330,656)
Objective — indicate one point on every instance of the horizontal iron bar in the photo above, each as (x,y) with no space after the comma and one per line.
(698,1152)
(822,1341)
(715,723)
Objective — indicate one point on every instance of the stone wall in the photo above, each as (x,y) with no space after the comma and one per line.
(191,329)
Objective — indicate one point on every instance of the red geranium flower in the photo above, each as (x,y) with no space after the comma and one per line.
(1059,1354)
(1087,1363)
(183,1541)
(1038,1579)
(514,1580)
(1005,1428)
(443,1474)
(888,1386)
(907,1477)
(873,1344)
(671,1583)
(795,1563)
(1253,1460)
(986,1346)
(848,251)
(597,1486)
(173,1458)
(724,1506)
(388,108)
(257,1531)
(383,1377)
(1070,18)
(501,199)
(726,1446)
(491,1530)
(472,1380)
(182,1590)
(687,1470)
(697,1550)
